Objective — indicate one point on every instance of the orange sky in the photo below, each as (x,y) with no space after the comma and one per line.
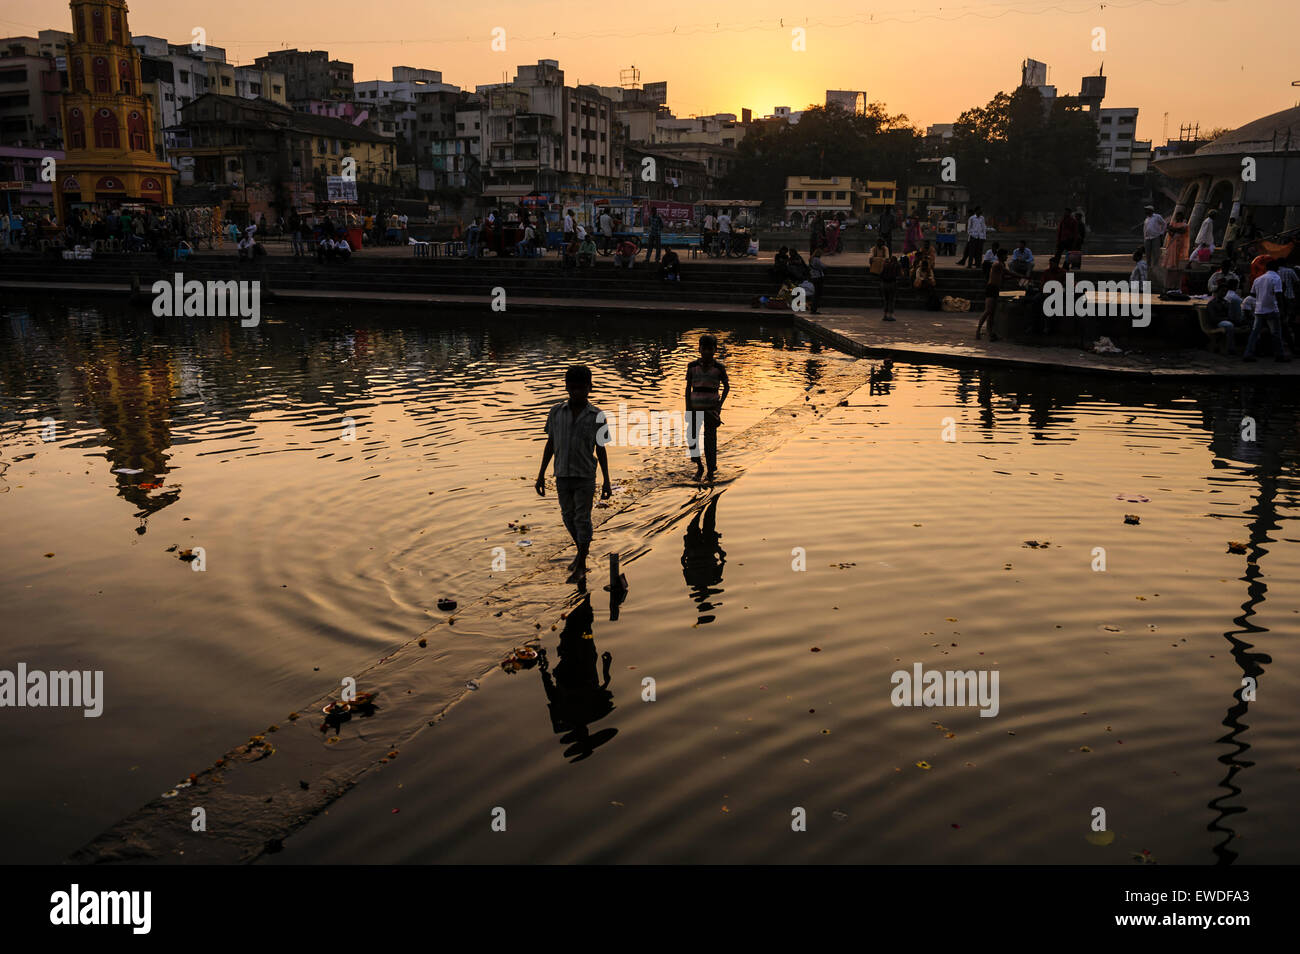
(927,58)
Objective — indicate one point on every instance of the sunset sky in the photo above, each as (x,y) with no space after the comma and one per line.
(1202,61)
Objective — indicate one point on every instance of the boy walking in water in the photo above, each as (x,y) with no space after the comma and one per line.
(575,430)
(706,390)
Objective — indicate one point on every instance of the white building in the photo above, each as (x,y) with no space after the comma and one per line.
(1119,149)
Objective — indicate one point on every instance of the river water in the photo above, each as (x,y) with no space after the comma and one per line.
(342,472)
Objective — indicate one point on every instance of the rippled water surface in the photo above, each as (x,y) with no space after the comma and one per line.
(769,611)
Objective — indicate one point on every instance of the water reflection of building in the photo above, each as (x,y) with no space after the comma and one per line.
(132,396)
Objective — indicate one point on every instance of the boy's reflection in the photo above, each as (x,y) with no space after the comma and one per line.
(703,559)
(575,696)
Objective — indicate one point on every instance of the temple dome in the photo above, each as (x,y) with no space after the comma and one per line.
(1279,132)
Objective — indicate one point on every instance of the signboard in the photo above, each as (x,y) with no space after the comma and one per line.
(11,187)
(339,189)
(676,215)
(656,93)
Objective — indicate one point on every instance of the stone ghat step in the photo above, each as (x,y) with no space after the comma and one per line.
(389,266)
(631,291)
(345,276)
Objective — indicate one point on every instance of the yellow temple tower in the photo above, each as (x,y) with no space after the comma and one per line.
(107,121)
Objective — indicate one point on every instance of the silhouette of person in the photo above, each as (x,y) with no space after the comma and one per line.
(575,695)
(703,559)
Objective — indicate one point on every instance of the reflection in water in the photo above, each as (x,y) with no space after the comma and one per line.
(575,695)
(1253,432)
(132,397)
(703,559)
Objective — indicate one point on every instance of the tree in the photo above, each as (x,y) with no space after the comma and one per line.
(827,141)
(1017,157)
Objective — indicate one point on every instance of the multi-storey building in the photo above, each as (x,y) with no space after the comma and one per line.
(30,84)
(534,134)
(274,157)
(310,75)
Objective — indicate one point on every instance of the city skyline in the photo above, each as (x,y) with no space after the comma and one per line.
(748,59)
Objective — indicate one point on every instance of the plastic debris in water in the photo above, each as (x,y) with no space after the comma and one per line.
(472,684)
(1132,518)
(128,470)
(446,605)
(1236,547)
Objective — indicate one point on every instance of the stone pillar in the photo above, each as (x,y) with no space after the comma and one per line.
(1181,204)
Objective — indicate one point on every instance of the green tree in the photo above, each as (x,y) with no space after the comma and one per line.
(1017,157)
(827,141)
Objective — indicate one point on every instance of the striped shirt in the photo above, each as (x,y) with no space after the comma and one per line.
(575,441)
(706,385)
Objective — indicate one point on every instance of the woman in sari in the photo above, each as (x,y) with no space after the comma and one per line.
(1174,258)
(833,237)
(912,236)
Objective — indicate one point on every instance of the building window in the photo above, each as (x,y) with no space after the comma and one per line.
(99,67)
(275,90)
(225,81)
(135,130)
(825,195)
(117,27)
(841,196)
(796,194)
(185,76)
(97,25)
(106,130)
(76,129)
(78,75)
(124,76)
(573,155)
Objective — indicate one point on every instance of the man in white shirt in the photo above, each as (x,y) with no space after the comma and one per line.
(1266,291)
(1154,227)
(1224,273)
(606,232)
(724,234)
(342,250)
(568,225)
(976,232)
